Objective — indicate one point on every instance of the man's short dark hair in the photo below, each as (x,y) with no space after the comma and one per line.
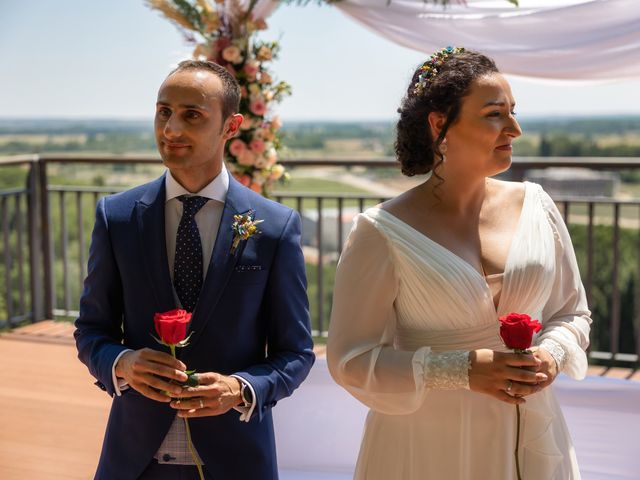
(230,87)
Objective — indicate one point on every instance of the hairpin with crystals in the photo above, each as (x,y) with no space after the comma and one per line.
(429,69)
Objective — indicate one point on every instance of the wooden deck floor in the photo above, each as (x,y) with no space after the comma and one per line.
(53,417)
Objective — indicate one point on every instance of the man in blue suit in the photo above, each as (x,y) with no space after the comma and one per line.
(170,244)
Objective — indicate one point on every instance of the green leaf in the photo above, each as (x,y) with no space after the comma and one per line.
(192,381)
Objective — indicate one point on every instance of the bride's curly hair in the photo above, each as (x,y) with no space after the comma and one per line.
(416,149)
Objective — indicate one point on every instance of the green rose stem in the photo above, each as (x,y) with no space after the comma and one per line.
(186,425)
(518,350)
(517,442)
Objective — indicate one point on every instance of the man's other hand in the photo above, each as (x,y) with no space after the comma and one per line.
(215,394)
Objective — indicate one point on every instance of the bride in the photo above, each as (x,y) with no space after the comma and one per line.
(423,279)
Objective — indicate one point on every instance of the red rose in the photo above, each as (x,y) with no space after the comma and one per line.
(517,329)
(171,326)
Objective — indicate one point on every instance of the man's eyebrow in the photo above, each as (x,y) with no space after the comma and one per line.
(183,105)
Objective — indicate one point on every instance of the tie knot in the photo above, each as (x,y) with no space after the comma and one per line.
(192,204)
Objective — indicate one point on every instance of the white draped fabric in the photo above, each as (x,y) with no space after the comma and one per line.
(420,303)
(593,40)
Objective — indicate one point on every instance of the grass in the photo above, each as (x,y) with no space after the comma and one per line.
(317,185)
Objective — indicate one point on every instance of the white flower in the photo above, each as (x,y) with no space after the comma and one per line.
(276,172)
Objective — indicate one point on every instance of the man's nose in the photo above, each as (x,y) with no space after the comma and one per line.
(173,127)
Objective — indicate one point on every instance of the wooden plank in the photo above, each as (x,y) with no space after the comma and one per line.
(53,415)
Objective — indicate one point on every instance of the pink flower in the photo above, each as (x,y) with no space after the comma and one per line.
(232,54)
(257,146)
(243,92)
(251,68)
(236,147)
(247,158)
(258,107)
(256,187)
(276,123)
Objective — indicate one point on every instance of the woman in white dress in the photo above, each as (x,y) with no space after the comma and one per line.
(423,279)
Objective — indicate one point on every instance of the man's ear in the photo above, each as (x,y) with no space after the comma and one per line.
(232,125)
(436,122)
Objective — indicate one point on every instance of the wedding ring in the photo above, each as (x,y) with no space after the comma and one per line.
(201,404)
(509,385)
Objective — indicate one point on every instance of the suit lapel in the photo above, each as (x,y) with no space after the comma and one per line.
(151,229)
(222,260)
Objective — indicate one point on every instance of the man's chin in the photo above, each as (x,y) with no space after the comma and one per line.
(174,161)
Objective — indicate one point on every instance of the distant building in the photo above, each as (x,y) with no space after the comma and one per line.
(576,182)
(330,223)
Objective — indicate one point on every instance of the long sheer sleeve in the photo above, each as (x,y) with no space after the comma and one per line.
(360,352)
(566,316)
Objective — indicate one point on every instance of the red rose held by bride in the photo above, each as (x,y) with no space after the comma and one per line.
(171,326)
(517,329)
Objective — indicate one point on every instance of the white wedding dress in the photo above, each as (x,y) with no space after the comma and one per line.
(406,311)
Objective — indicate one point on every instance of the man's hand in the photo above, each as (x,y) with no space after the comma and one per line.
(215,394)
(505,376)
(547,366)
(150,372)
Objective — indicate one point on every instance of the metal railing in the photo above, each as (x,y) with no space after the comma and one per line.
(46,234)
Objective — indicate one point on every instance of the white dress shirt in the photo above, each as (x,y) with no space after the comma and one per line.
(208,222)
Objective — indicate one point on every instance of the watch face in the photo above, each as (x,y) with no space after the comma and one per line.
(246,394)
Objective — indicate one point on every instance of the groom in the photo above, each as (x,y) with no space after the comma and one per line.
(170,244)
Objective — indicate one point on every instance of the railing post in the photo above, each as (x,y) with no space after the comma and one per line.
(35,242)
(47,243)
(615,291)
(320,271)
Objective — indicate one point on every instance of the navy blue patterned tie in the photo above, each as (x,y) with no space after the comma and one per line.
(187,265)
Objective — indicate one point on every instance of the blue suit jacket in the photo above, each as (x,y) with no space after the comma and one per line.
(253,322)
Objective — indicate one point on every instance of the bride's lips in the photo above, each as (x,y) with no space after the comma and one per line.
(505,148)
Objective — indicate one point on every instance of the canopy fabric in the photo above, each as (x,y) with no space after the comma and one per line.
(593,40)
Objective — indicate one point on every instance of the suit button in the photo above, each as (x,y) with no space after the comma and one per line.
(167,458)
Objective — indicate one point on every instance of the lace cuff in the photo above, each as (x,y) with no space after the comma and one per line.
(447,370)
(556,351)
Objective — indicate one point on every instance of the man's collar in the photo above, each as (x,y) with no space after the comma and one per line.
(216,190)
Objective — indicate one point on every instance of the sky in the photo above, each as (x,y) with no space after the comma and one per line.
(106,59)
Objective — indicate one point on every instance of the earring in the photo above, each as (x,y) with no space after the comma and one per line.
(443,149)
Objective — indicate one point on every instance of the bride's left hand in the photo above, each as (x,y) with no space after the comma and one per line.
(548,365)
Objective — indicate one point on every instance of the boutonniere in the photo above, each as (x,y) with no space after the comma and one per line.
(244,227)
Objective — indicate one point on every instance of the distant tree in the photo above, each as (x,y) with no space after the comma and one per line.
(544,149)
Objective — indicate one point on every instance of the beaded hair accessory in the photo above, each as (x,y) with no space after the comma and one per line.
(429,69)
